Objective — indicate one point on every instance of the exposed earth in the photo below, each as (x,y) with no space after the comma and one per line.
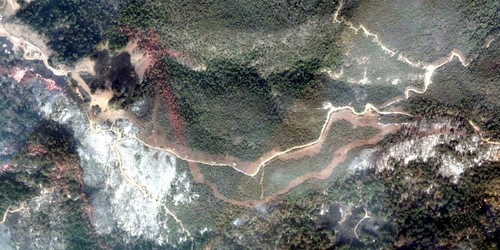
(307,125)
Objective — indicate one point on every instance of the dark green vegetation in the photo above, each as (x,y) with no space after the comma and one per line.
(246,15)
(416,207)
(77,228)
(58,139)
(234,185)
(41,155)
(448,215)
(13,191)
(222,103)
(236,106)
(231,109)
(262,88)
(49,163)
(268,34)
(279,174)
(139,244)
(281,224)
(482,17)
(17,120)
(428,30)
(411,207)
(471,92)
(73,27)
(341,93)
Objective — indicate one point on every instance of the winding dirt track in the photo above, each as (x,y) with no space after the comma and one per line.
(338,157)
(11,210)
(156,138)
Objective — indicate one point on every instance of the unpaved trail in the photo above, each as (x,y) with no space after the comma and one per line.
(360,27)
(368,118)
(34,48)
(185,153)
(334,114)
(429,72)
(429,68)
(355,120)
(359,222)
(31,51)
(84,65)
(11,210)
(100,97)
(351,116)
(338,157)
(478,130)
(252,168)
(156,139)
(136,185)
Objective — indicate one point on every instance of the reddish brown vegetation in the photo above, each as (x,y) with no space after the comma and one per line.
(4,167)
(34,149)
(49,83)
(174,115)
(149,42)
(18,74)
(62,178)
(22,76)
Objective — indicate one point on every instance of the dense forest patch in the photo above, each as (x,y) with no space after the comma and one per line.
(73,27)
(470,92)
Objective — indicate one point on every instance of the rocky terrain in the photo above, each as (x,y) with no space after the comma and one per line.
(135,132)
